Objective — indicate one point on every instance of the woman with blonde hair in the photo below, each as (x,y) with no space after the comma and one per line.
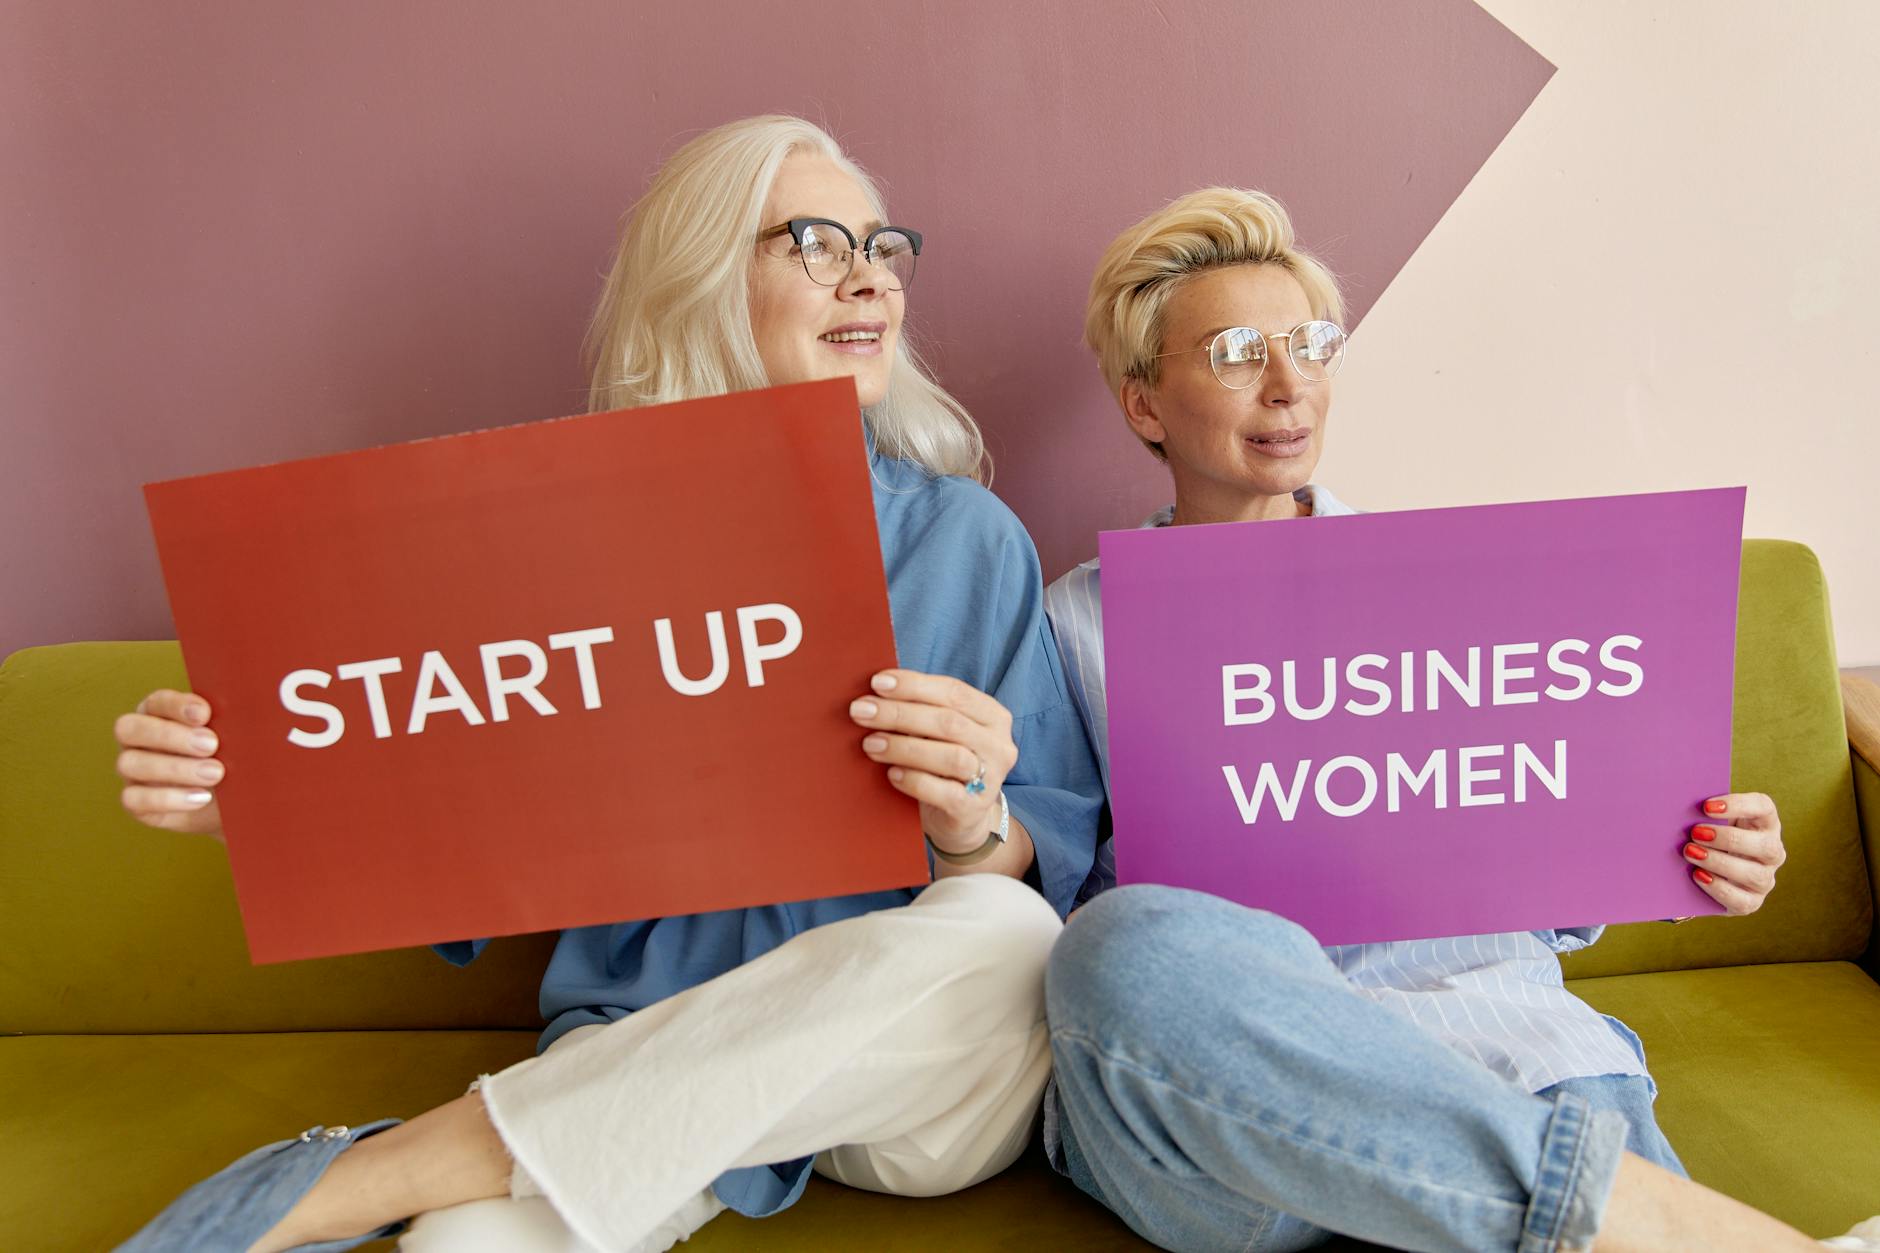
(895,1040)
(1222,1080)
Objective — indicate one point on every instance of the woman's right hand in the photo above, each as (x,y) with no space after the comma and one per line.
(167,761)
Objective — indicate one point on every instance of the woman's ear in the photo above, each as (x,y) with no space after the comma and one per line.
(1139,410)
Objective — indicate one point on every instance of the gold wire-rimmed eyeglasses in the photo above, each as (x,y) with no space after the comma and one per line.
(1238,354)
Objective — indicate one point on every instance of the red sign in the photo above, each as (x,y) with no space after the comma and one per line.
(545,676)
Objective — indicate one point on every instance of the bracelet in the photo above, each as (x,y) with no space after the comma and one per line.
(995,840)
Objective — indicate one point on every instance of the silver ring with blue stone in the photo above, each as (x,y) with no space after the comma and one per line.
(977,784)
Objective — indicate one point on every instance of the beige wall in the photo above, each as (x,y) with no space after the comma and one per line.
(1662,279)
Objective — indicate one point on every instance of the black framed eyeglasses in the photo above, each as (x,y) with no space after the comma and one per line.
(1238,354)
(828,250)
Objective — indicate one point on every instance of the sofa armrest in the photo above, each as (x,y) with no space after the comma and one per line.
(1860,697)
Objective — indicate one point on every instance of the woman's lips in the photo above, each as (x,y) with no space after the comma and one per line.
(858,339)
(854,347)
(1292,443)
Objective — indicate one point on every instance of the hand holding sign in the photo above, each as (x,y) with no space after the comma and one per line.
(167,762)
(1737,850)
(944,733)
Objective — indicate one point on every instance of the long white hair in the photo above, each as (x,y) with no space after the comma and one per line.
(674,320)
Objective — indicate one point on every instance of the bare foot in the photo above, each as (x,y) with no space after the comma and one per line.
(445,1157)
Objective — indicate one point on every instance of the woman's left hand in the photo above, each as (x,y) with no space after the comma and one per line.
(935,733)
(1735,852)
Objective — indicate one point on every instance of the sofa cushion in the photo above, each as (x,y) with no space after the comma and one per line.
(1790,741)
(1028,1209)
(99,1133)
(111,925)
(1768,1083)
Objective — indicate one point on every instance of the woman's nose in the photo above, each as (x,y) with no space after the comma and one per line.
(866,280)
(1280,384)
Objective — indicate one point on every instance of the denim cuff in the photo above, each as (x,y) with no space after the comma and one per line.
(1579,1161)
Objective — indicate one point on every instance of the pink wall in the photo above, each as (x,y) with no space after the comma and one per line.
(233,234)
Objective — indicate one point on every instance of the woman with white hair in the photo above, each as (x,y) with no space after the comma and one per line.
(895,1039)
(1223,1081)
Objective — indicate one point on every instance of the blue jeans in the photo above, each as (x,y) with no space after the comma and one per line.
(1221,1086)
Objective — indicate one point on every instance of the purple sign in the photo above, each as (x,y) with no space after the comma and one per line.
(1439,722)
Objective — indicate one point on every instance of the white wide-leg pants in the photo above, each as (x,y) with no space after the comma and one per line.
(906,1049)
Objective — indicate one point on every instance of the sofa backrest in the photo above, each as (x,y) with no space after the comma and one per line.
(107,925)
(1790,741)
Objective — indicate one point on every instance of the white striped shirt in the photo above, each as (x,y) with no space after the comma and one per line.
(1496,998)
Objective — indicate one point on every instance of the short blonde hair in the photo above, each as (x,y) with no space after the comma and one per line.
(1146,264)
(674,320)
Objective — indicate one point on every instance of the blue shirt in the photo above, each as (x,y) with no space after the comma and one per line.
(1496,998)
(967,600)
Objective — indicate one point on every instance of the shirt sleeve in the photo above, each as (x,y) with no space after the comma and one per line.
(460,952)
(1102,875)
(1062,807)
(1055,788)
(1569,939)
(1071,609)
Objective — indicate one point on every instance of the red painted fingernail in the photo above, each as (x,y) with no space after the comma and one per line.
(1705,834)
(1703,876)
(1695,853)
(1714,807)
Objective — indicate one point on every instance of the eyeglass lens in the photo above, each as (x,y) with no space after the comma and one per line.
(1239,353)
(826,255)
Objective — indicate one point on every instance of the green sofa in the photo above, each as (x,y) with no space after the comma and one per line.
(141,1051)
